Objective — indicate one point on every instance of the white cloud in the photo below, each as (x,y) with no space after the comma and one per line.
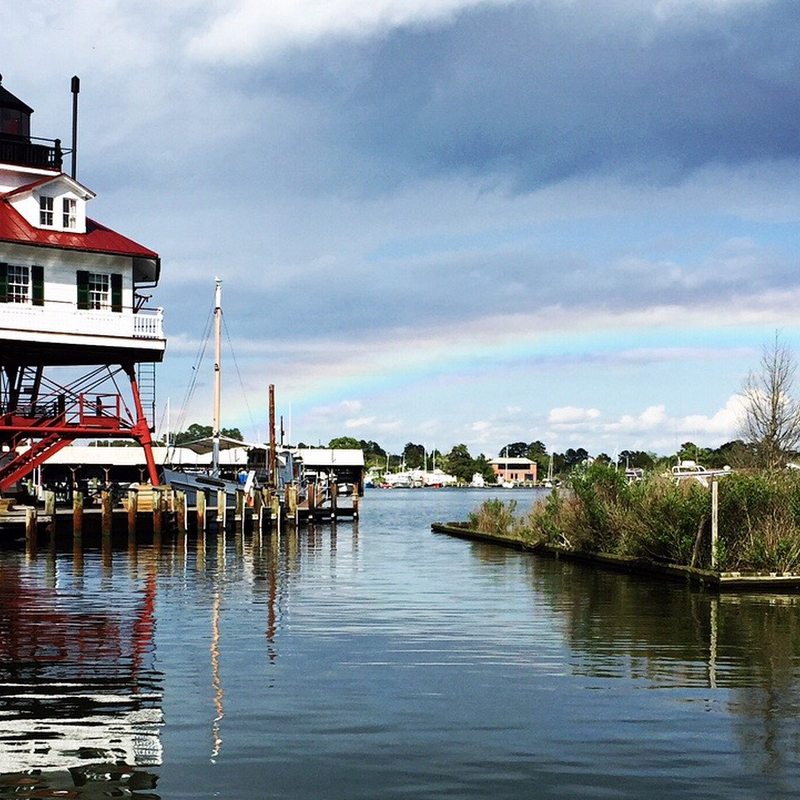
(253,28)
(571,416)
(726,422)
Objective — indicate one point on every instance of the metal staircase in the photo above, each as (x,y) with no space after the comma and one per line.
(146,378)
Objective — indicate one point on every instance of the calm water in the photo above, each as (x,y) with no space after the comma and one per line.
(379,661)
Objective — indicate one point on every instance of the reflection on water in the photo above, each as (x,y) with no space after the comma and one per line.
(374,659)
(78,686)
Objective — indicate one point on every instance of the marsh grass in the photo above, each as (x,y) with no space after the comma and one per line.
(657,520)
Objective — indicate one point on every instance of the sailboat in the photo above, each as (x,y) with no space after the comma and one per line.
(205,479)
(548,481)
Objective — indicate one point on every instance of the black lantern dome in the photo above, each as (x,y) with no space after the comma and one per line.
(16,146)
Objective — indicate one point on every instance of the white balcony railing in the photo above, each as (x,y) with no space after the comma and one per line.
(148,323)
(58,318)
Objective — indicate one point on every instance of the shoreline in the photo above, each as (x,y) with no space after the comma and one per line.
(721,581)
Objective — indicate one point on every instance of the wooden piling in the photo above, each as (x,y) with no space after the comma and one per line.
(107,513)
(355,501)
(312,500)
(200,506)
(77,513)
(275,510)
(240,510)
(133,507)
(180,511)
(158,511)
(31,520)
(222,509)
(334,499)
(714,521)
(291,511)
(258,510)
(50,508)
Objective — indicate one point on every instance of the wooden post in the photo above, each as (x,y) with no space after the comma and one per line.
(292,509)
(334,499)
(239,513)
(50,507)
(714,521)
(180,511)
(133,507)
(107,512)
(312,500)
(158,510)
(30,527)
(222,509)
(200,502)
(258,509)
(355,501)
(272,460)
(77,513)
(275,510)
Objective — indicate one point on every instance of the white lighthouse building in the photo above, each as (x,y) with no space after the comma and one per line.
(72,303)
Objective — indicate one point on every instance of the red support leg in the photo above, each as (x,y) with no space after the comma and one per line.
(141,430)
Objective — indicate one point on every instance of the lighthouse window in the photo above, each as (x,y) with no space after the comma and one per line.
(18,284)
(98,290)
(45,210)
(70,210)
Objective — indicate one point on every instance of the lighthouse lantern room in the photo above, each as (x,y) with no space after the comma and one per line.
(72,303)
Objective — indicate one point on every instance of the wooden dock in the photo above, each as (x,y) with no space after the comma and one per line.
(162,507)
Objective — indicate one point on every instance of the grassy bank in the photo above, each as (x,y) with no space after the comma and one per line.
(656,520)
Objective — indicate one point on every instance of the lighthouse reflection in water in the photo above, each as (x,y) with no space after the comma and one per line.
(80,698)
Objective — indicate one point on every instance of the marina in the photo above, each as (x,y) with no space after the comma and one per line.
(373,658)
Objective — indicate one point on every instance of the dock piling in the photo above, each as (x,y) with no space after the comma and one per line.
(77,513)
(133,504)
(222,509)
(107,512)
(180,511)
(158,510)
(714,521)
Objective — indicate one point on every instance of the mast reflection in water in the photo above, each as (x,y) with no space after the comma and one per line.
(80,698)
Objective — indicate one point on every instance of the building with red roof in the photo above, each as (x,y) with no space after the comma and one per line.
(73,293)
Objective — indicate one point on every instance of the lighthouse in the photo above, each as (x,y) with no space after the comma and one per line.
(76,332)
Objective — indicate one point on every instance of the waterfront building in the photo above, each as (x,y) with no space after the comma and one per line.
(514,470)
(73,312)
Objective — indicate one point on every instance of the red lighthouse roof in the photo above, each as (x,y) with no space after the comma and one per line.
(97,239)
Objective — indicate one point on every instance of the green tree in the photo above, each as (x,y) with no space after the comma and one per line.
(196,431)
(414,455)
(515,450)
(482,466)
(460,463)
(344,443)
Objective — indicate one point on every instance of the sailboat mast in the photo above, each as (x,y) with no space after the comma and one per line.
(217,373)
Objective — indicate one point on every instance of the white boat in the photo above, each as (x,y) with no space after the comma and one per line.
(692,471)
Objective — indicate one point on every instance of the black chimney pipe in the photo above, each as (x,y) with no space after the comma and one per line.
(76,87)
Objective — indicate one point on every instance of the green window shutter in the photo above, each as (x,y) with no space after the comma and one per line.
(116,292)
(3,283)
(37,285)
(83,288)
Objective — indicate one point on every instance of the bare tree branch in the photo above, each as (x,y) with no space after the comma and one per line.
(772,409)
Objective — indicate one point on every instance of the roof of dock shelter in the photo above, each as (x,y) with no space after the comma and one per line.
(77,455)
(325,457)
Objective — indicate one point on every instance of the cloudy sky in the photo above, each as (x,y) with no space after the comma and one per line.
(446,221)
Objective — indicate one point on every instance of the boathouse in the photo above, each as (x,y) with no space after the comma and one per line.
(74,319)
(345,466)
